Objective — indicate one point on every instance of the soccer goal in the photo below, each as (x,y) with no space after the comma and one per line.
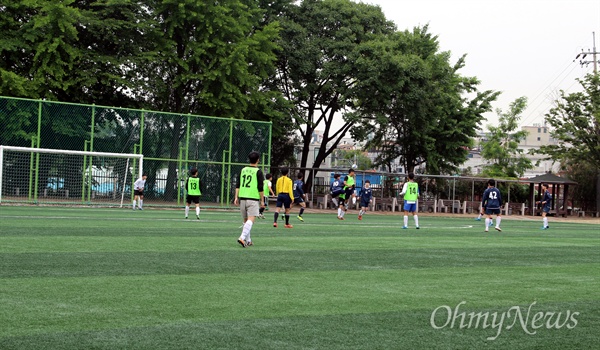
(64,177)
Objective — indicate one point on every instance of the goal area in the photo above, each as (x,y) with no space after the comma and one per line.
(65,177)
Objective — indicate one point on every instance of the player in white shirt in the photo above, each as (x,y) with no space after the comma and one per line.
(138,191)
(268,190)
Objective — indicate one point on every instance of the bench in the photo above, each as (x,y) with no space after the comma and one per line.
(427,206)
(386,204)
(593,214)
(449,206)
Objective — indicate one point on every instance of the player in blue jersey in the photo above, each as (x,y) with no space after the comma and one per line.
(546,203)
(366,197)
(299,195)
(492,202)
(337,188)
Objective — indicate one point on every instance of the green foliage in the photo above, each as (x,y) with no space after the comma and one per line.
(583,172)
(501,147)
(317,66)
(575,123)
(413,105)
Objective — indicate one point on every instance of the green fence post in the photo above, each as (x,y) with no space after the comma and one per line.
(136,147)
(37,156)
(229,163)
(223,162)
(142,132)
(90,177)
(180,173)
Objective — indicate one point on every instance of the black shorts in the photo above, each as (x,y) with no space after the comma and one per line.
(190,199)
(284,199)
(349,192)
(298,200)
(364,203)
(138,192)
(492,211)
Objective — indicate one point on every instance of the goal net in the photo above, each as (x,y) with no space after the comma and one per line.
(63,177)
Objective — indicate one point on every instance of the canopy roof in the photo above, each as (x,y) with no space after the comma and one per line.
(551,179)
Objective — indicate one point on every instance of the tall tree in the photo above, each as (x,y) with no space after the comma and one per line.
(316,68)
(414,102)
(210,59)
(575,123)
(501,147)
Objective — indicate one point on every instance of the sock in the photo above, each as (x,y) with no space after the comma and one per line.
(498,219)
(301,211)
(360,212)
(187,210)
(197,211)
(545,222)
(339,212)
(406,220)
(134,204)
(416,220)
(343,213)
(287,219)
(275,216)
(141,203)
(246,230)
(487,223)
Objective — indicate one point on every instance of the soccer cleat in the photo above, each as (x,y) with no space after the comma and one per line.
(477,219)
(141,208)
(486,230)
(288,226)
(186,217)
(249,244)
(198,217)
(405,227)
(498,229)
(418,227)
(274,224)
(491,223)
(300,218)
(360,217)
(242,243)
(544,227)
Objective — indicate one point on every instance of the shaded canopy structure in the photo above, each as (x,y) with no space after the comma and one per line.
(555,184)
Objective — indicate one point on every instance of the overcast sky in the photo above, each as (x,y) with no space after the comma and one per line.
(522,48)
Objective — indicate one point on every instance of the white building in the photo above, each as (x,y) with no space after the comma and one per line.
(537,136)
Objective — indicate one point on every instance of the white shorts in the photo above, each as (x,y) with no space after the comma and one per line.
(249,207)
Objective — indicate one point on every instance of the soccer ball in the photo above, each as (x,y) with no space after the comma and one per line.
(354,166)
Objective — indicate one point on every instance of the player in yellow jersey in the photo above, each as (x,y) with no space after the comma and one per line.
(285,197)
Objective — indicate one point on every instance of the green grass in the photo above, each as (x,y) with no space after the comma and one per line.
(83,278)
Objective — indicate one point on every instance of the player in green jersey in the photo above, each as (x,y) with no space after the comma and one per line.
(192,186)
(249,193)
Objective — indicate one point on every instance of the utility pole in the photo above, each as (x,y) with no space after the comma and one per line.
(582,62)
(583,54)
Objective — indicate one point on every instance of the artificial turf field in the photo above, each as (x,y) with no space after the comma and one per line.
(90,278)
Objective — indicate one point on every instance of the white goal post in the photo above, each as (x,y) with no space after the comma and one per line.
(54,176)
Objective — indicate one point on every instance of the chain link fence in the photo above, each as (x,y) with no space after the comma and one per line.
(171,144)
